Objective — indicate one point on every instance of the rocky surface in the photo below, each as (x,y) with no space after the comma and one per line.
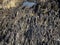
(36,25)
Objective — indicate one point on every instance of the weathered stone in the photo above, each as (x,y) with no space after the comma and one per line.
(37,25)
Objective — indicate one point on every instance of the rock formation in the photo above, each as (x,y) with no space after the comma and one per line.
(30,25)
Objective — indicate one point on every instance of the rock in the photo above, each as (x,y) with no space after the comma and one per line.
(11,3)
(37,1)
(28,4)
(39,25)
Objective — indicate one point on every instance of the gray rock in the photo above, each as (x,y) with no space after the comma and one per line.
(28,4)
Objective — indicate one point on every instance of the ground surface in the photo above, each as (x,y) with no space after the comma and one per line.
(36,25)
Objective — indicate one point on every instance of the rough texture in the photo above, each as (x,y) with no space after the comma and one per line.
(37,25)
(7,4)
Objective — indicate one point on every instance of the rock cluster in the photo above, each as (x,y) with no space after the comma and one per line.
(37,25)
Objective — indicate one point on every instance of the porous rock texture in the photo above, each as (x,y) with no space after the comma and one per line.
(36,25)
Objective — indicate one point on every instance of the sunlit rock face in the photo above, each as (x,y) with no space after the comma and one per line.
(11,3)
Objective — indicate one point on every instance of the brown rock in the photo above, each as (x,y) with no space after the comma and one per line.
(1,1)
